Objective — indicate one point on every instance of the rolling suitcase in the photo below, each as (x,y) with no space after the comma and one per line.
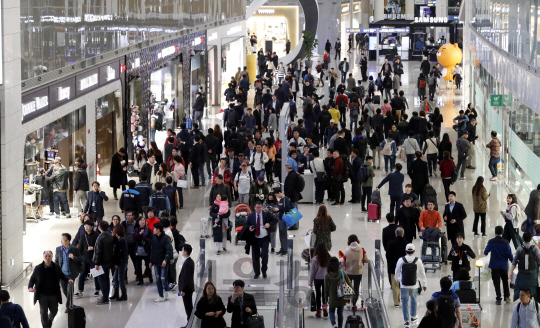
(374,212)
(206,227)
(444,249)
(76,314)
(377,97)
(354,321)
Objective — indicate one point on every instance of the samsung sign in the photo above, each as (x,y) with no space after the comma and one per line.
(431,19)
(60,93)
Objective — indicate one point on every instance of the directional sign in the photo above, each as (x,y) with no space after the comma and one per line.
(507,100)
(496,100)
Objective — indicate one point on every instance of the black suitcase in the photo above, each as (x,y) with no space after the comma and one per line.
(444,249)
(377,100)
(354,321)
(294,226)
(76,314)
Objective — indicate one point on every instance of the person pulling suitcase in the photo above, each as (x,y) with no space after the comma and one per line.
(76,314)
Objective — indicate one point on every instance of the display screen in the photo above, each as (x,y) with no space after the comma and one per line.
(373,43)
(425,11)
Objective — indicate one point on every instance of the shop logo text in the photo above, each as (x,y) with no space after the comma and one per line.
(63,93)
(37,104)
(88,82)
(431,19)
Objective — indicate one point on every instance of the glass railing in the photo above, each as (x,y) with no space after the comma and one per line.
(376,312)
(204,271)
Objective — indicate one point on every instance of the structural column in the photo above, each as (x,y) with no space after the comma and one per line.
(441,10)
(11,144)
(329,27)
(378,10)
(409,8)
(364,12)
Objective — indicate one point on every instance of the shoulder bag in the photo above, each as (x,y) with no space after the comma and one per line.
(344,291)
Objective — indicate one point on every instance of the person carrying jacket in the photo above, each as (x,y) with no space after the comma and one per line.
(103,259)
(80,186)
(94,202)
(501,253)
(160,255)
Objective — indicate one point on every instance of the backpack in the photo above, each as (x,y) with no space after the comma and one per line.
(408,272)
(342,101)
(430,195)
(363,174)
(361,145)
(445,308)
(158,125)
(354,107)
(258,84)
(347,168)
(527,257)
(371,86)
(301,184)
(387,150)
(431,80)
(376,196)
(535,309)
(231,120)
(374,142)
(361,91)
(422,84)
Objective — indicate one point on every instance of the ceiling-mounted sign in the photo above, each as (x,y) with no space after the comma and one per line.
(62,92)
(35,104)
(399,16)
(361,30)
(87,81)
(395,30)
(109,73)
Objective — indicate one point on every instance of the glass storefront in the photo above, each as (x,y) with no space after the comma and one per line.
(199,77)
(109,137)
(232,51)
(64,138)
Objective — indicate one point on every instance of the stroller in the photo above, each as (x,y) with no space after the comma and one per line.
(307,254)
(431,239)
(32,198)
(241,213)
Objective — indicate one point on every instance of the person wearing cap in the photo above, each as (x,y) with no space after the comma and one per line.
(258,190)
(463,145)
(409,291)
(242,183)
(241,305)
(471,128)
(118,177)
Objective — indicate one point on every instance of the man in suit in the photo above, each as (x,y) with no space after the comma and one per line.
(261,225)
(454,214)
(395,187)
(337,47)
(363,67)
(194,161)
(341,144)
(275,104)
(186,285)
(389,232)
(69,259)
(395,251)
(44,284)
(418,173)
(241,305)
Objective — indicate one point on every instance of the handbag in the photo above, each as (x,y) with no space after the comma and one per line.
(402,155)
(343,289)
(292,217)
(141,251)
(182,184)
(312,301)
(255,321)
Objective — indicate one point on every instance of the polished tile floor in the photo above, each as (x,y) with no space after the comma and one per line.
(141,311)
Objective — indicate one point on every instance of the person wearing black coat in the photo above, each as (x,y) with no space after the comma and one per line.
(210,308)
(291,182)
(395,250)
(143,241)
(407,217)
(94,202)
(241,305)
(86,245)
(80,186)
(186,285)
(118,177)
(45,284)
(454,214)
(418,172)
(280,94)
(195,160)
(212,145)
(389,232)
(425,67)
(356,183)
(103,257)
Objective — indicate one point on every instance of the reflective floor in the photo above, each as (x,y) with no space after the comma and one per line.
(141,311)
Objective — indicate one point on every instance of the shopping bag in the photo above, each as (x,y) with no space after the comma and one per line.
(182,184)
(292,217)
(312,301)
(343,289)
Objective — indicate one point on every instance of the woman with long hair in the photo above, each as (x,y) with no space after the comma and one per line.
(161,175)
(218,134)
(355,257)
(444,145)
(511,216)
(446,166)
(319,262)
(323,225)
(155,150)
(479,197)
(140,160)
(436,119)
(270,150)
(210,308)
(431,319)
(331,280)
(115,221)
(81,232)
(143,243)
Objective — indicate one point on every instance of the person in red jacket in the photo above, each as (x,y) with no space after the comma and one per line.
(342,101)
(446,166)
(339,178)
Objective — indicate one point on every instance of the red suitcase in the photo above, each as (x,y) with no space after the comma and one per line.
(374,212)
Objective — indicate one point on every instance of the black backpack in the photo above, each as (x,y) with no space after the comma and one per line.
(430,195)
(361,145)
(342,101)
(371,86)
(231,119)
(532,260)
(364,177)
(445,308)
(158,124)
(347,168)
(408,272)
(325,118)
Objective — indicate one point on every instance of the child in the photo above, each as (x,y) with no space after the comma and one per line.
(220,210)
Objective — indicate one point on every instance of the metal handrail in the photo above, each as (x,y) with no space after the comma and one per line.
(203,276)
(380,296)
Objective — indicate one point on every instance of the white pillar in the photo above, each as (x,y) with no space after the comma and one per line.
(11,144)
(441,10)
(329,26)
(364,13)
(409,8)
(378,10)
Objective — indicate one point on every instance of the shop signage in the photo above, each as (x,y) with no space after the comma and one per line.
(109,73)
(62,92)
(167,51)
(213,36)
(361,30)
(399,16)
(431,19)
(266,11)
(381,30)
(35,104)
(87,81)
(419,2)
(196,41)
(395,30)
(233,30)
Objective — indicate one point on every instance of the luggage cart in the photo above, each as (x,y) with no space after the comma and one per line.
(32,199)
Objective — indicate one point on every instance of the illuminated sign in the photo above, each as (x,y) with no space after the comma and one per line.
(63,93)
(196,41)
(431,19)
(109,73)
(137,63)
(266,11)
(88,82)
(399,16)
(395,30)
(233,30)
(213,36)
(381,30)
(35,104)
(167,51)
(361,30)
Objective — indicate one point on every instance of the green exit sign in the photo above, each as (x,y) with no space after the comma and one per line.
(501,100)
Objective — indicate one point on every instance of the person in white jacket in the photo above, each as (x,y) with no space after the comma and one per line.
(258,159)
(526,313)
(356,258)
(410,282)
(171,277)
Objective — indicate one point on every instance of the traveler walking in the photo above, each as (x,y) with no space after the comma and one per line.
(284,206)
(431,148)
(241,305)
(80,186)
(410,275)
(319,264)
(479,198)
(471,157)
(511,217)
(161,254)
(431,319)
(448,304)
(355,258)
(186,284)
(494,154)
(69,259)
(118,175)
(60,186)
(44,283)
(143,242)
(367,174)
(410,146)
(331,280)
(103,259)
(323,226)
(532,210)
(14,312)
(261,225)
(210,308)
(454,214)
(394,252)
(525,314)
(459,255)
(120,261)
(526,260)
(446,166)
(418,172)
(407,217)
(395,188)
(498,263)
